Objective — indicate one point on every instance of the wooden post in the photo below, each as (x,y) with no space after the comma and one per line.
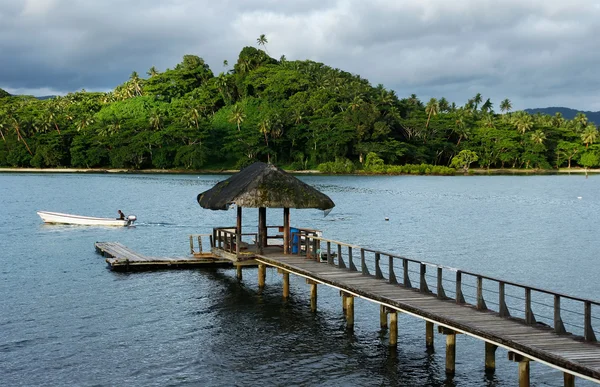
(344,302)
(523,368)
(286,285)
(490,357)
(383,323)
(350,311)
(238,273)
(191,244)
(262,274)
(428,334)
(559,327)
(569,380)
(524,373)
(238,231)
(286,230)
(262,227)
(588,330)
(393,328)
(450,353)
(313,294)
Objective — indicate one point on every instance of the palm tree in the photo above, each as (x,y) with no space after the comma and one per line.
(581,121)
(476,101)
(225,63)
(505,105)
(538,137)
(262,41)
(84,123)
(237,115)
(431,109)
(487,106)
(589,135)
(522,121)
(264,127)
(155,120)
(152,72)
(444,105)
(558,120)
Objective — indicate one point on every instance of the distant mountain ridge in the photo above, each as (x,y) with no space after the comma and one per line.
(567,113)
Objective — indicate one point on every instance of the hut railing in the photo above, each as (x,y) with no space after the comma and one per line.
(299,238)
(196,243)
(227,239)
(562,313)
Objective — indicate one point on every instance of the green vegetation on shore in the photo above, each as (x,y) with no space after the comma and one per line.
(297,114)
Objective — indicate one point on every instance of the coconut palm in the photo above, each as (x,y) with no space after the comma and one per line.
(84,122)
(431,109)
(557,120)
(476,101)
(589,135)
(505,105)
(487,106)
(152,72)
(581,121)
(237,115)
(262,41)
(264,127)
(538,137)
(444,105)
(155,120)
(522,122)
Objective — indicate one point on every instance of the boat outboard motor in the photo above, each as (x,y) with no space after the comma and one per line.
(131,219)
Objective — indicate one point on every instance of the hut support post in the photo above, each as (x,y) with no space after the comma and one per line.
(262,227)
(238,270)
(428,334)
(286,230)
(523,368)
(490,357)
(286,285)
(344,302)
(262,274)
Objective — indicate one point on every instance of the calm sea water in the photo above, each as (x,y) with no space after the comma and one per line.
(65,319)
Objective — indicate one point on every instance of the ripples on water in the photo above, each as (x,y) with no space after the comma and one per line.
(65,319)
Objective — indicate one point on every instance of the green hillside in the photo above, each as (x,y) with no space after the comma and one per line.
(296,114)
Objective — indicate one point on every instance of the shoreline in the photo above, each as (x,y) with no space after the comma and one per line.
(472,171)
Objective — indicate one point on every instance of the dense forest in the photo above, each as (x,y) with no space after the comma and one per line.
(296,114)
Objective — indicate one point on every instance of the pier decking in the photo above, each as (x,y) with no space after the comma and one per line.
(121,258)
(534,342)
(400,285)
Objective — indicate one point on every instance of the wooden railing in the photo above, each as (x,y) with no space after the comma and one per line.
(226,239)
(196,245)
(508,299)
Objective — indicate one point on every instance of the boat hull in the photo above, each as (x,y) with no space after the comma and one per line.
(60,218)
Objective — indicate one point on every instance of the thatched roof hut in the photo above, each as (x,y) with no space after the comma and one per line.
(263,186)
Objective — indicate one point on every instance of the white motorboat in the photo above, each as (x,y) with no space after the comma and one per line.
(60,218)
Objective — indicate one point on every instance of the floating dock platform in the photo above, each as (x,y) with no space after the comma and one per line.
(121,258)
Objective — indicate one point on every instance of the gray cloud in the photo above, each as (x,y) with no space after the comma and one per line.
(537,53)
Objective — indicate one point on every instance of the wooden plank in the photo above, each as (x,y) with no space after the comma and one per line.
(537,342)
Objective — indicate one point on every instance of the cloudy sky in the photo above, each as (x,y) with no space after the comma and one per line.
(537,53)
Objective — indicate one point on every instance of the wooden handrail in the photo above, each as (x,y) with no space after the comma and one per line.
(312,243)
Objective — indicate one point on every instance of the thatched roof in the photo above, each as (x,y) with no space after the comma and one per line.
(263,185)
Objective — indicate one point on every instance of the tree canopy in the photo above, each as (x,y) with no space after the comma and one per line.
(297,114)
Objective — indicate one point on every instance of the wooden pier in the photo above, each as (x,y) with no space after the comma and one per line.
(121,258)
(402,285)
(399,284)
